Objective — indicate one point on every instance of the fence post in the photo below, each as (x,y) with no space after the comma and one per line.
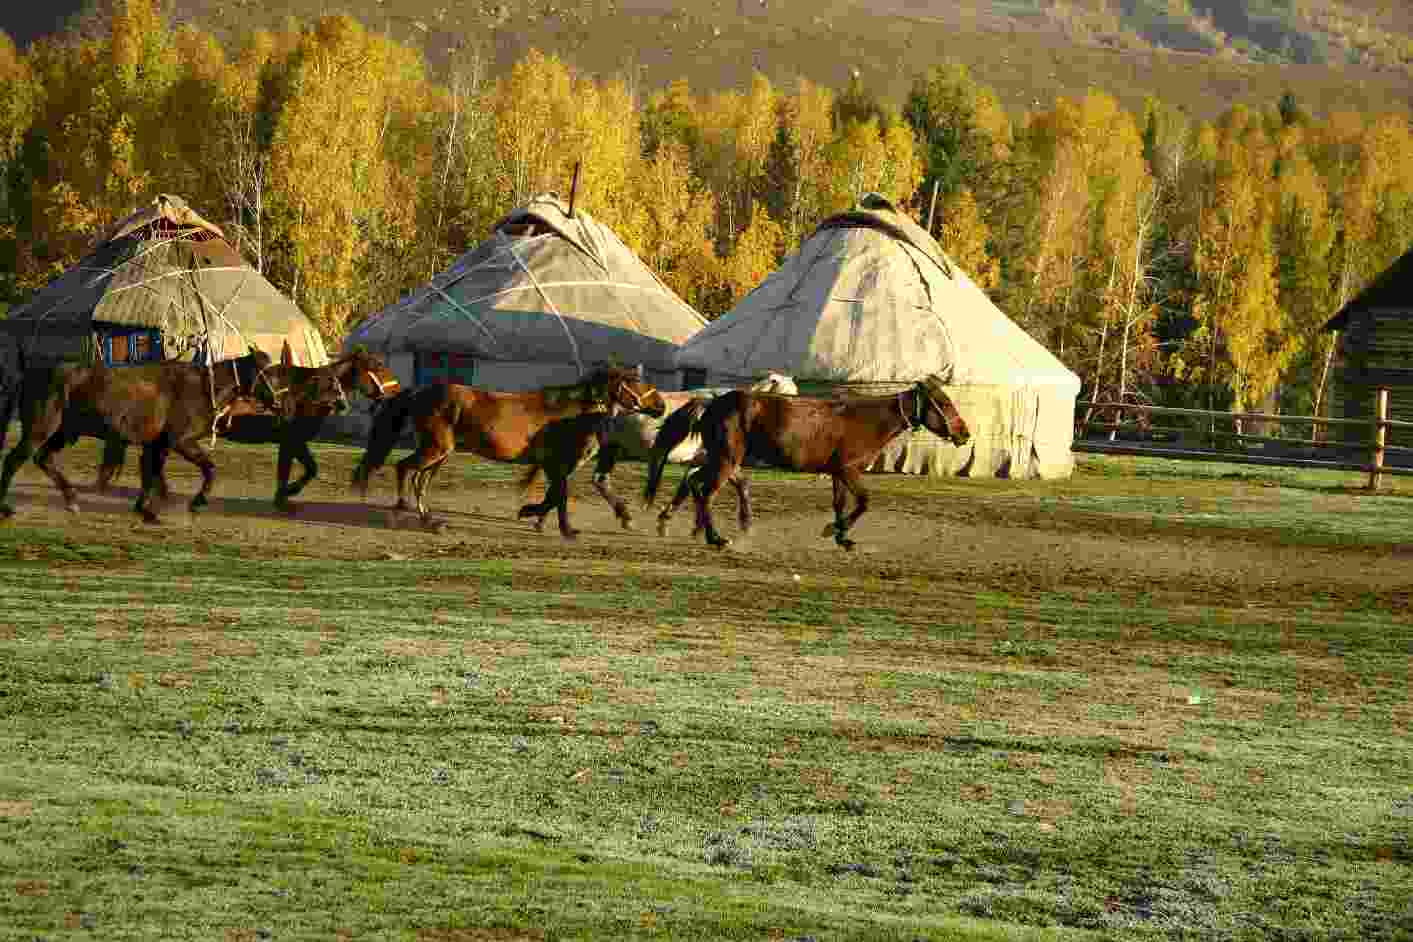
(1376,478)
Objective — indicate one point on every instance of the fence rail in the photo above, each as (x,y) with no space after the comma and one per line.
(1213,444)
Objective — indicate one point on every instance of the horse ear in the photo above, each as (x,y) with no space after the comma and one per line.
(286,355)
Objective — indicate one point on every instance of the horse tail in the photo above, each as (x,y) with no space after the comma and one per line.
(387,426)
(675,430)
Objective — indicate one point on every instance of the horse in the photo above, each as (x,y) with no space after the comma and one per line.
(838,437)
(312,395)
(164,406)
(502,426)
(631,435)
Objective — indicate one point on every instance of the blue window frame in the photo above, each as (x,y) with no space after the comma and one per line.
(130,346)
(459,368)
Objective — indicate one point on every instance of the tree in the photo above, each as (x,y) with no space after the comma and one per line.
(677,233)
(964,236)
(329,177)
(962,132)
(799,161)
(1241,334)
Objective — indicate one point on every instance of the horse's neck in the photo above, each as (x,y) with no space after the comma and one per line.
(566,402)
(224,378)
(892,412)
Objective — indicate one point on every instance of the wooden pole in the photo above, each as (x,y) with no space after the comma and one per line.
(933,207)
(1376,478)
(573,188)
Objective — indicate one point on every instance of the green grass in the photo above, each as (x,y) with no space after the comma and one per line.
(498,735)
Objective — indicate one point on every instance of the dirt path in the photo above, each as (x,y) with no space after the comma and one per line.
(974,535)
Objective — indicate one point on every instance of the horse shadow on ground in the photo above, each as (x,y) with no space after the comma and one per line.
(118,501)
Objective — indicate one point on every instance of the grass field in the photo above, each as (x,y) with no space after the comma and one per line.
(1152,701)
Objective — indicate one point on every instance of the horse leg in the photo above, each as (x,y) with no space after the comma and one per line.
(539,510)
(42,458)
(299,448)
(284,463)
(679,497)
(192,451)
(433,446)
(847,482)
(559,497)
(150,464)
(603,468)
(743,501)
(424,478)
(13,462)
(115,455)
(709,481)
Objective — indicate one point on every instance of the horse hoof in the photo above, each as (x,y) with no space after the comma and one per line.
(627,522)
(570,535)
(848,545)
(662,528)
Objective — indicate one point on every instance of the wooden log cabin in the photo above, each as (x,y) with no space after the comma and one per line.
(1375,351)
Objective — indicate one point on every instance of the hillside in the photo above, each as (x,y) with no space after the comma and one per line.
(1352,55)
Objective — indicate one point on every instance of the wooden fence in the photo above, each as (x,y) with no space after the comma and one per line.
(1200,439)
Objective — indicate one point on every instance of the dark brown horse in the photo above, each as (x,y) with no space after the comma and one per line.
(163,406)
(311,395)
(838,437)
(502,426)
(631,435)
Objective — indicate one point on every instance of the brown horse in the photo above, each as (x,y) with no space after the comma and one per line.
(502,426)
(312,394)
(162,405)
(632,435)
(838,437)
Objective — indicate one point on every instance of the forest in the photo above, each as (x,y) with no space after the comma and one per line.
(1163,257)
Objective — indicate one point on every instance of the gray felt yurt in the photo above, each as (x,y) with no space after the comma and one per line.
(548,296)
(161,284)
(869,304)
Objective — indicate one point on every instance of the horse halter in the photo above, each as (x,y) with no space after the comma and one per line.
(625,390)
(383,388)
(263,376)
(921,398)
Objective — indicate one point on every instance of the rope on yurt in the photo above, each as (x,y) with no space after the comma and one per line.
(573,344)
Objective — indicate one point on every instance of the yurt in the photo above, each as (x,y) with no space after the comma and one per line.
(161,284)
(549,295)
(869,304)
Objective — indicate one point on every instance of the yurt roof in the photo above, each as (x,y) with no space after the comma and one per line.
(870,298)
(545,286)
(163,267)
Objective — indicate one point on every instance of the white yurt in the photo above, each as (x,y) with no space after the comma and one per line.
(551,294)
(161,284)
(869,304)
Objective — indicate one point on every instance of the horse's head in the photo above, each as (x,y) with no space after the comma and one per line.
(626,390)
(934,410)
(372,376)
(258,380)
(319,392)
